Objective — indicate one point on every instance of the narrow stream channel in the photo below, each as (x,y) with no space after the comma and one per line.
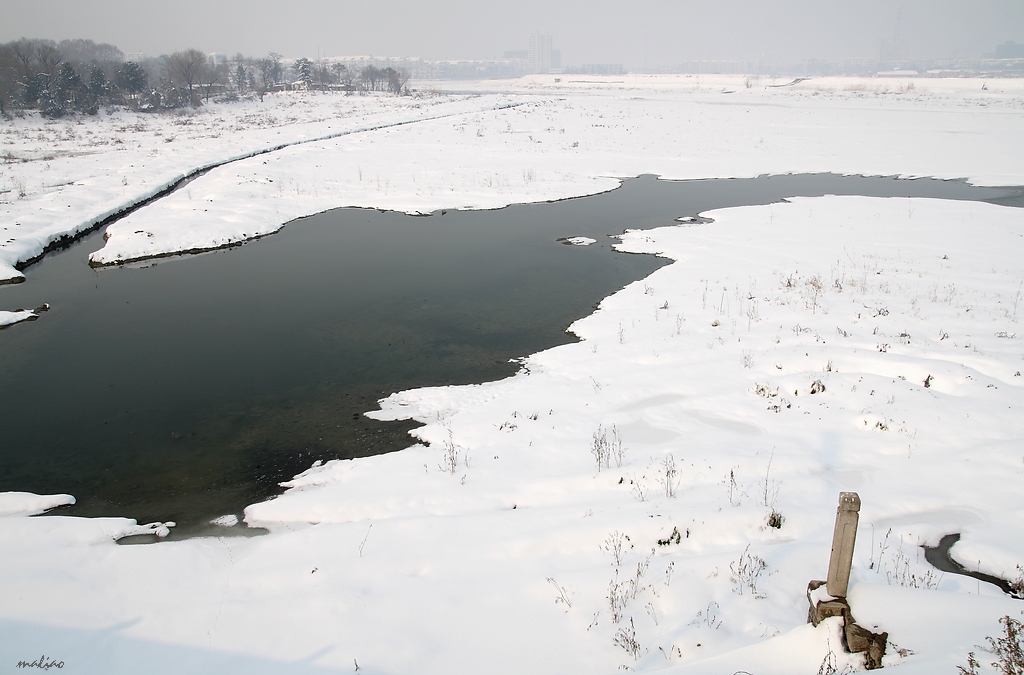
(187,388)
(941,558)
(65,241)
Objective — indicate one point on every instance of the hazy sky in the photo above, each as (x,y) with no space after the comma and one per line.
(633,32)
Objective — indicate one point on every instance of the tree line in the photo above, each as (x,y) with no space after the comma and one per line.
(79,76)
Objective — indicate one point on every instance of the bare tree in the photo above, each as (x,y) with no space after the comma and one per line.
(48,59)
(397,80)
(87,51)
(23,60)
(265,67)
(276,70)
(343,75)
(371,77)
(185,70)
(324,74)
(241,74)
(8,78)
(210,75)
(24,53)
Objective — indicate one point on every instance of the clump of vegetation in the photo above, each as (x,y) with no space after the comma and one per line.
(605,450)
(895,564)
(563,594)
(745,572)
(1017,585)
(626,638)
(1007,649)
(673,538)
(770,495)
(668,475)
(452,454)
(616,546)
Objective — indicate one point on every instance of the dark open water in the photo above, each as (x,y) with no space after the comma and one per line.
(188,388)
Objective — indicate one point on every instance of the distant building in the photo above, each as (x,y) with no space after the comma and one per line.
(540,53)
(897,73)
(602,69)
(1010,50)
(857,66)
(213,58)
(514,54)
(710,67)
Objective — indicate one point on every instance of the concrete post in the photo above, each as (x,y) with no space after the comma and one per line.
(843,539)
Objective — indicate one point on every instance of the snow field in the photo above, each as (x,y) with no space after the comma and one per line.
(499,544)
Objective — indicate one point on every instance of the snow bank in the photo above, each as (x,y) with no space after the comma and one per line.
(17,316)
(28,504)
(500,544)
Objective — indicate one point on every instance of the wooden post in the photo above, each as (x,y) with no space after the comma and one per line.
(843,539)
(857,639)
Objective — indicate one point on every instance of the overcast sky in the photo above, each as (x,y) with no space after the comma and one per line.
(632,32)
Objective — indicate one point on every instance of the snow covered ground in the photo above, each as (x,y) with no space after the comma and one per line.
(499,543)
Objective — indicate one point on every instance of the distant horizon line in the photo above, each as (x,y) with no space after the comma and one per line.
(759,63)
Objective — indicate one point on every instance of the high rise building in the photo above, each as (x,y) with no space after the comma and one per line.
(540,53)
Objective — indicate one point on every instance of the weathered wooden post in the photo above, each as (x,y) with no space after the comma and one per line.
(828,598)
(843,540)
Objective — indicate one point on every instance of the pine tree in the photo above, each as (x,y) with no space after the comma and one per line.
(67,92)
(97,90)
(132,77)
(241,78)
(304,71)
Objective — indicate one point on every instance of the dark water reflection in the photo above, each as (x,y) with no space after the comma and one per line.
(189,388)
